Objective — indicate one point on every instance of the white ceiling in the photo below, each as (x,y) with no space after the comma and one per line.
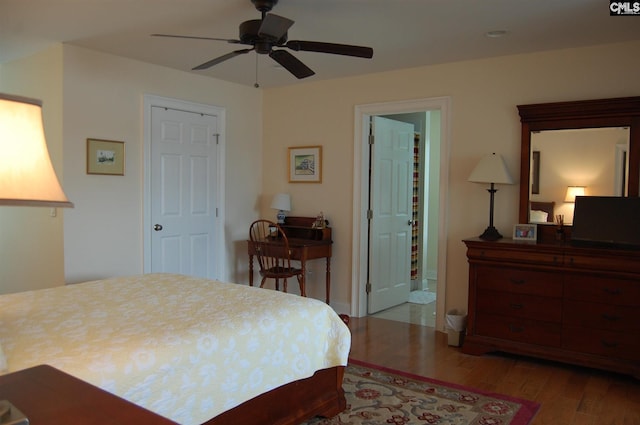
(403,33)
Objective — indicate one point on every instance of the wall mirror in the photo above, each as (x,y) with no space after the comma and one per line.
(590,144)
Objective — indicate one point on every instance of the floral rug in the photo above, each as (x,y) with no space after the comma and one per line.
(377,395)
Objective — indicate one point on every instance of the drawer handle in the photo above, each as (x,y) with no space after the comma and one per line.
(608,344)
(516,306)
(518,281)
(610,317)
(514,328)
(612,291)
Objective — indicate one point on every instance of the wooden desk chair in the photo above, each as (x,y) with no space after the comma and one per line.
(274,255)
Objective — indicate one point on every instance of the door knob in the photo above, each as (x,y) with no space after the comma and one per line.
(157,227)
(410,222)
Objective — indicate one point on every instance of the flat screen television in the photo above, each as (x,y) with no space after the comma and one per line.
(606,221)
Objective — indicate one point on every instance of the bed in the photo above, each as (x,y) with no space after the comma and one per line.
(541,212)
(193,350)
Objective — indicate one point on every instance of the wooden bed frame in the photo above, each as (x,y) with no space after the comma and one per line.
(291,404)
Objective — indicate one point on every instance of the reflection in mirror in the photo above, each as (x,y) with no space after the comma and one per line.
(594,158)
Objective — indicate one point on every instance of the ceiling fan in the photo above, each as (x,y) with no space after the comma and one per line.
(271,32)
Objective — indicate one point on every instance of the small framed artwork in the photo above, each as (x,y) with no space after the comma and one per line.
(105,157)
(525,232)
(305,164)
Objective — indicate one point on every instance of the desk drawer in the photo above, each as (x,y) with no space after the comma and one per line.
(519,305)
(521,330)
(519,281)
(622,345)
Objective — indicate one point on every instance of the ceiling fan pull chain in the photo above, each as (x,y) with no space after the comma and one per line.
(256,85)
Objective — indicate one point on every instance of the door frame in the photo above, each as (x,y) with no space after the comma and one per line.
(361,195)
(149,102)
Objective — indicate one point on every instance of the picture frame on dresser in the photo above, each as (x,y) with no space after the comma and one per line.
(525,232)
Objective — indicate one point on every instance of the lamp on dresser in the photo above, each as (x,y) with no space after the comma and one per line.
(491,169)
(27,178)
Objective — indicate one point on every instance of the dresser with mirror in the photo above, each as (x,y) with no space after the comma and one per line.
(550,298)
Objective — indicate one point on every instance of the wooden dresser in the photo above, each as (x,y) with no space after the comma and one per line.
(555,301)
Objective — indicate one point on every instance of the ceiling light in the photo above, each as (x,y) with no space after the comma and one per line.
(496,33)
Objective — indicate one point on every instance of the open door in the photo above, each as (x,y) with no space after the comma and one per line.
(390,213)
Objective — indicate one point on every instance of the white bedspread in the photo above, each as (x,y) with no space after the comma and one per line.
(185,348)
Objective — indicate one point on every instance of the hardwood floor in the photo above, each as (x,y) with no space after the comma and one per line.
(569,395)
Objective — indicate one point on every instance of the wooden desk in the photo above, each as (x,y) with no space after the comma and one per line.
(305,244)
(48,396)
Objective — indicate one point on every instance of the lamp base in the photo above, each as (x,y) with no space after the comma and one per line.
(490,234)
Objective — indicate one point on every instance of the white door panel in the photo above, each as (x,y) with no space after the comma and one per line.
(183,195)
(391,206)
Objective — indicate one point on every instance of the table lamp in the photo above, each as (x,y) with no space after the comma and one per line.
(572,192)
(27,178)
(491,169)
(282,203)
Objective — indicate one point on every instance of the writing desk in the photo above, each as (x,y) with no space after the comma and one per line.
(305,243)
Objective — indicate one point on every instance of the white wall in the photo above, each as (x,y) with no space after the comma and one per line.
(484,119)
(103,98)
(31,254)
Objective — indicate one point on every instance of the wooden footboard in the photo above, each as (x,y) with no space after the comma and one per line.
(320,395)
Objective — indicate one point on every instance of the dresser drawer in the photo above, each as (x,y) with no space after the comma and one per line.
(621,345)
(585,287)
(519,305)
(527,256)
(519,281)
(601,316)
(616,261)
(521,330)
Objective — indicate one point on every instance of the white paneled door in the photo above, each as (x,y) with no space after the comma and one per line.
(391,213)
(183,192)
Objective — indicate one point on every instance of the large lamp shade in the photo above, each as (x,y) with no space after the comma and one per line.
(27,177)
(491,170)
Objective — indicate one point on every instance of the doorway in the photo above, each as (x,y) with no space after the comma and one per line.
(439,107)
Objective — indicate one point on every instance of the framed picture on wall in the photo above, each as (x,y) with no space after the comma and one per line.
(305,164)
(105,157)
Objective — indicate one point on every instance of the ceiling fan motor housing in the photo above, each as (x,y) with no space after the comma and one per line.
(249,35)
(264,5)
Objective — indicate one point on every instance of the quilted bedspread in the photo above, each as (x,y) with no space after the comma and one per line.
(185,348)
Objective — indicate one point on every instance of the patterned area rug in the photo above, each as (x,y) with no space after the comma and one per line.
(378,395)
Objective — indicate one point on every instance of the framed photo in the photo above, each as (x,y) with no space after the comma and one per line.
(305,164)
(525,232)
(105,157)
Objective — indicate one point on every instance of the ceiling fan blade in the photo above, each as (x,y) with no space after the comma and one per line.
(336,49)
(196,38)
(274,26)
(291,63)
(220,59)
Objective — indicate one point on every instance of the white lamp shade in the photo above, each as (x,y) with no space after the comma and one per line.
(572,192)
(491,169)
(281,201)
(27,176)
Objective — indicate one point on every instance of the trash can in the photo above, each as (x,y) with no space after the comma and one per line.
(456,324)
